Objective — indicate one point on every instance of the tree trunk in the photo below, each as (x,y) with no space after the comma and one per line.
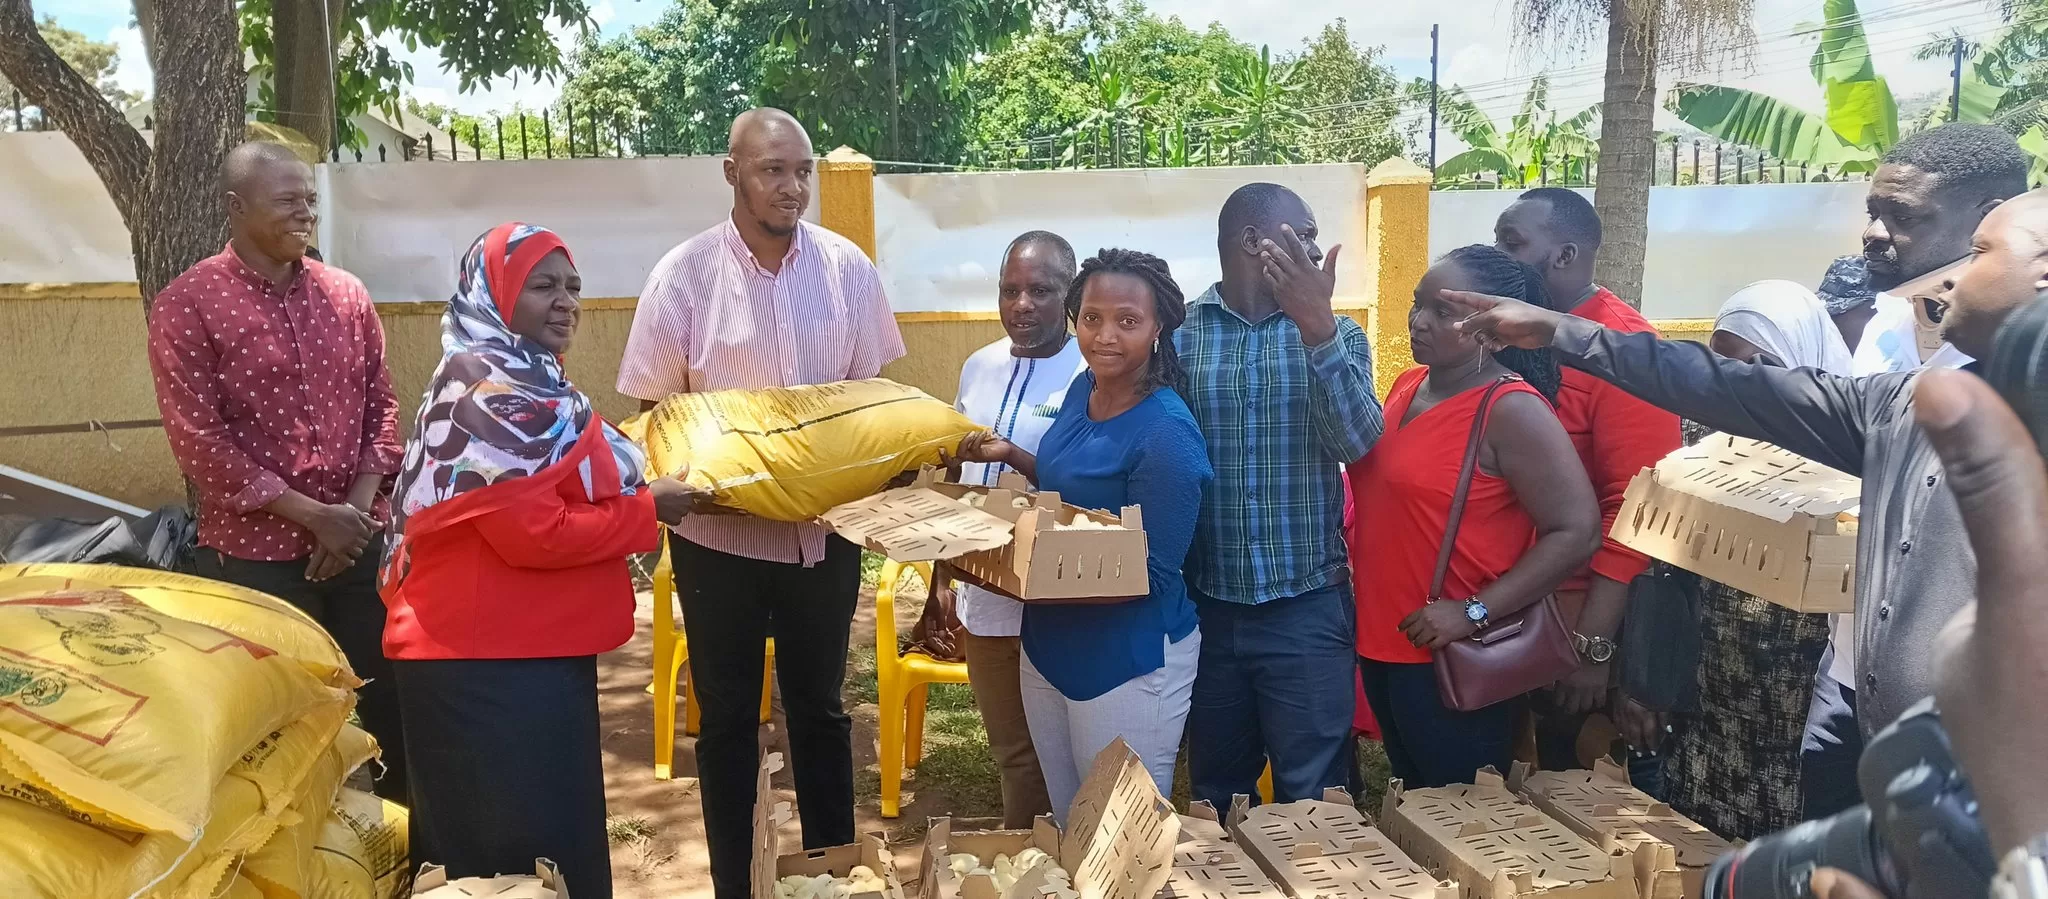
(1628,148)
(145,22)
(199,118)
(303,74)
(169,196)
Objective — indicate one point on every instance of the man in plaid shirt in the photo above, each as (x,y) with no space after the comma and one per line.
(1282,387)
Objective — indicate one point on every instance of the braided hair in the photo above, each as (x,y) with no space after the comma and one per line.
(1502,275)
(1168,304)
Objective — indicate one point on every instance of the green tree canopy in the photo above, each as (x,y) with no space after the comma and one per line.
(95,61)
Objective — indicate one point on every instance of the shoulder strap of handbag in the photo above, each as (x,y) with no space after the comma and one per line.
(1457,516)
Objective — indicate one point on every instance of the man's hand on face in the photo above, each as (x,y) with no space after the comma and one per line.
(1302,290)
(1990,679)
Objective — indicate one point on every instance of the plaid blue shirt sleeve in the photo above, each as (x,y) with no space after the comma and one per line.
(1347,413)
(1281,419)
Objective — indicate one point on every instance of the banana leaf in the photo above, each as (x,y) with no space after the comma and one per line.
(1764,122)
(1475,162)
(1863,114)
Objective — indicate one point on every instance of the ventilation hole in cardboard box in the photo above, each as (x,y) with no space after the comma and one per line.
(1848,576)
(1763,556)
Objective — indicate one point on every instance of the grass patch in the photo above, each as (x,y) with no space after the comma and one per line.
(1372,764)
(623,831)
(861,685)
(870,568)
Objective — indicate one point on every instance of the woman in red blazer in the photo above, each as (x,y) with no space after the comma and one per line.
(505,575)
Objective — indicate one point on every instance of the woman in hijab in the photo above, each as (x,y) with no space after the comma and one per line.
(1734,759)
(506,575)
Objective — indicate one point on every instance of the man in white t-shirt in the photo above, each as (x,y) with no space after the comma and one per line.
(1014,387)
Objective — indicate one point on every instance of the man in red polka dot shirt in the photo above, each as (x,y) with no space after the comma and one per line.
(270,376)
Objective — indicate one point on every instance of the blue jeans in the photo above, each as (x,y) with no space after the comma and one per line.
(1833,746)
(1428,743)
(1275,683)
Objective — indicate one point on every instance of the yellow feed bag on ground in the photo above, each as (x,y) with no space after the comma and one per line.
(129,717)
(258,617)
(791,453)
(47,853)
(287,866)
(363,850)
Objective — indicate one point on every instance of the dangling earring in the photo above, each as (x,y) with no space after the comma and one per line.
(1155,344)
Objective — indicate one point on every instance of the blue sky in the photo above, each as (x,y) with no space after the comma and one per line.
(1478,49)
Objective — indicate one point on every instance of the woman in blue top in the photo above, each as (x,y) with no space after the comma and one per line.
(1093,673)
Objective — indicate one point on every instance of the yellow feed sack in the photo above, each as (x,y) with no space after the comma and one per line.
(790,454)
(128,716)
(363,850)
(47,853)
(245,613)
(286,866)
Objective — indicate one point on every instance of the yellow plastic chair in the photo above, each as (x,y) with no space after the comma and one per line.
(671,650)
(903,680)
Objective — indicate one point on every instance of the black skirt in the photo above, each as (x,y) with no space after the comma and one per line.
(505,768)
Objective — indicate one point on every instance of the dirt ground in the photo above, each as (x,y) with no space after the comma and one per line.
(657,826)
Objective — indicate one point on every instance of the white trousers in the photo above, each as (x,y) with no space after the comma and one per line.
(1147,711)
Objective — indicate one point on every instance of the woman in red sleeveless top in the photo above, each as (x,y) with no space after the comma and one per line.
(1530,520)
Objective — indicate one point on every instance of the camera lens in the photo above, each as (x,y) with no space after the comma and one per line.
(1781,866)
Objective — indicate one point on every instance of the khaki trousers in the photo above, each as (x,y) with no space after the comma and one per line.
(992,664)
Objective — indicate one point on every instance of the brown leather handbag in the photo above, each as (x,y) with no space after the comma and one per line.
(1515,653)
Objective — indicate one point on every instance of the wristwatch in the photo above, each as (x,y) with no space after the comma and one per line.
(1597,650)
(2024,872)
(1475,612)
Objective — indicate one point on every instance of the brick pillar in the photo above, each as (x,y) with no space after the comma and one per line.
(846,196)
(1397,254)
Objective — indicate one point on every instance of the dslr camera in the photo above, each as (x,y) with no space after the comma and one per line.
(1917,836)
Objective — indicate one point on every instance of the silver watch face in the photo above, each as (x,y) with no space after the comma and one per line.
(1599,650)
(1475,610)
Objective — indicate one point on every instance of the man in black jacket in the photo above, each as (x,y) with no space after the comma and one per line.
(1914,565)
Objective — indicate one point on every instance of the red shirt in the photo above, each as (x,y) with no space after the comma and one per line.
(541,575)
(265,387)
(1402,490)
(1617,436)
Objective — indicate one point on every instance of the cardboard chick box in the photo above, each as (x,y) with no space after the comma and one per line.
(770,867)
(1672,853)
(1752,516)
(1208,865)
(544,883)
(1496,846)
(1008,537)
(1325,849)
(1118,843)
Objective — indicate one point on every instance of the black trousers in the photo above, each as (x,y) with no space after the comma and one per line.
(506,768)
(348,606)
(1428,743)
(731,605)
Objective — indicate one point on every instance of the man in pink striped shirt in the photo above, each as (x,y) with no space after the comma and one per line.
(764,299)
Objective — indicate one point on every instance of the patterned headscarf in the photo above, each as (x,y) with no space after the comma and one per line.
(1846,286)
(499,410)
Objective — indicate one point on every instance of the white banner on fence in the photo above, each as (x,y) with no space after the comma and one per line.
(1705,242)
(57,223)
(940,238)
(403,226)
